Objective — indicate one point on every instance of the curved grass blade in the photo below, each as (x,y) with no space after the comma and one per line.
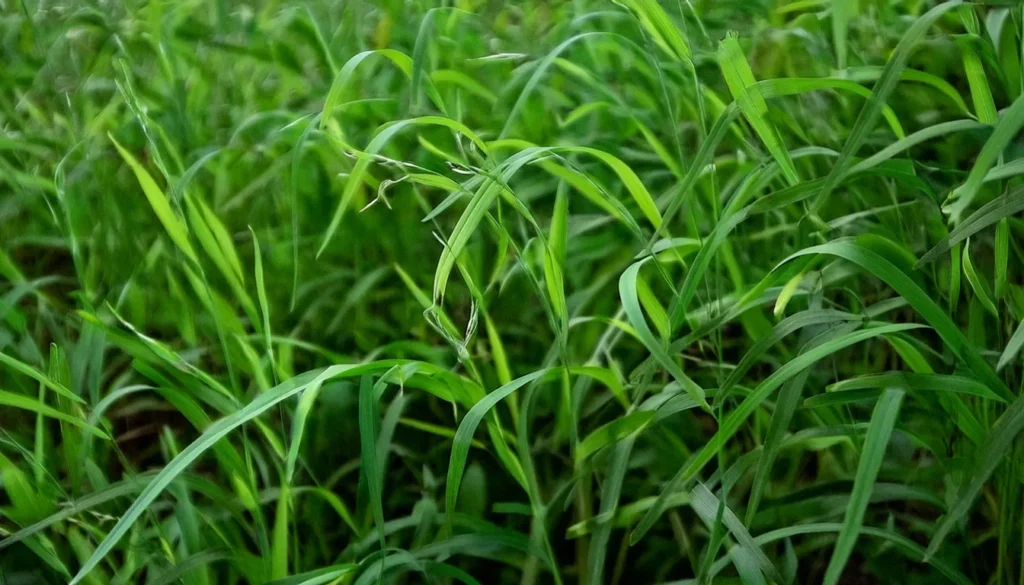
(680,194)
(913,139)
(261,294)
(460,79)
(785,408)
(740,80)
(936,382)
(872,73)
(208,439)
(977,282)
(306,402)
(34,405)
(320,576)
(734,420)
(706,505)
(338,87)
(656,22)
(612,432)
(1006,129)
(796,322)
(1012,347)
(177,572)
(842,12)
(629,178)
(476,414)
(848,249)
(468,426)
(788,290)
(40,377)
(981,94)
(539,72)
(175,227)
(905,545)
(988,214)
(631,305)
(770,88)
(369,422)
(988,456)
(1005,171)
(1002,257)
(610,492)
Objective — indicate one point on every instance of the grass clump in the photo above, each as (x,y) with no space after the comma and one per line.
(551,292)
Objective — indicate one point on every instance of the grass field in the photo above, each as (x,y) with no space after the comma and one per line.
(542,292)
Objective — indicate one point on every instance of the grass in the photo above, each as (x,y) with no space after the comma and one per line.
(578,292)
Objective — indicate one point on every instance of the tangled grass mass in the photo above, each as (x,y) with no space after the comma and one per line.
(550,292)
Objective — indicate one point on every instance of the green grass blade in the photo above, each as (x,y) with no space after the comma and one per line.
(1006,129)
(871,73)
(705,504)
(656,22)
(610,492)
(185,566)
(208,439)
(261,294)
(158,201)
(612,432)
(1012,347)
(631,305)
(469,424)
(741,83)
(369,423)
(319,576)
(935,382)
(1002,256)
(38,376)
(977,282)
(842,12)
(541,68)
(795,85)
(883,420)
(787,326)
(989,455)
(34,405)
(379,141)
(732,422)
(341,81)
(986,215)
(921,302)
(306,402)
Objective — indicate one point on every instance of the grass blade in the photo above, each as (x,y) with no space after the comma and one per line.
(1006,129)
(209,438)
(988,214)
(31,404)
(883,419)
(631,305)
(705,504)
(741,80)
(736,417)
(977,282)
(1012,347)
(158,201)
(924,305)
(989,455)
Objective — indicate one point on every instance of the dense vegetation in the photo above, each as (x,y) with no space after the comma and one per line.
(546,292)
